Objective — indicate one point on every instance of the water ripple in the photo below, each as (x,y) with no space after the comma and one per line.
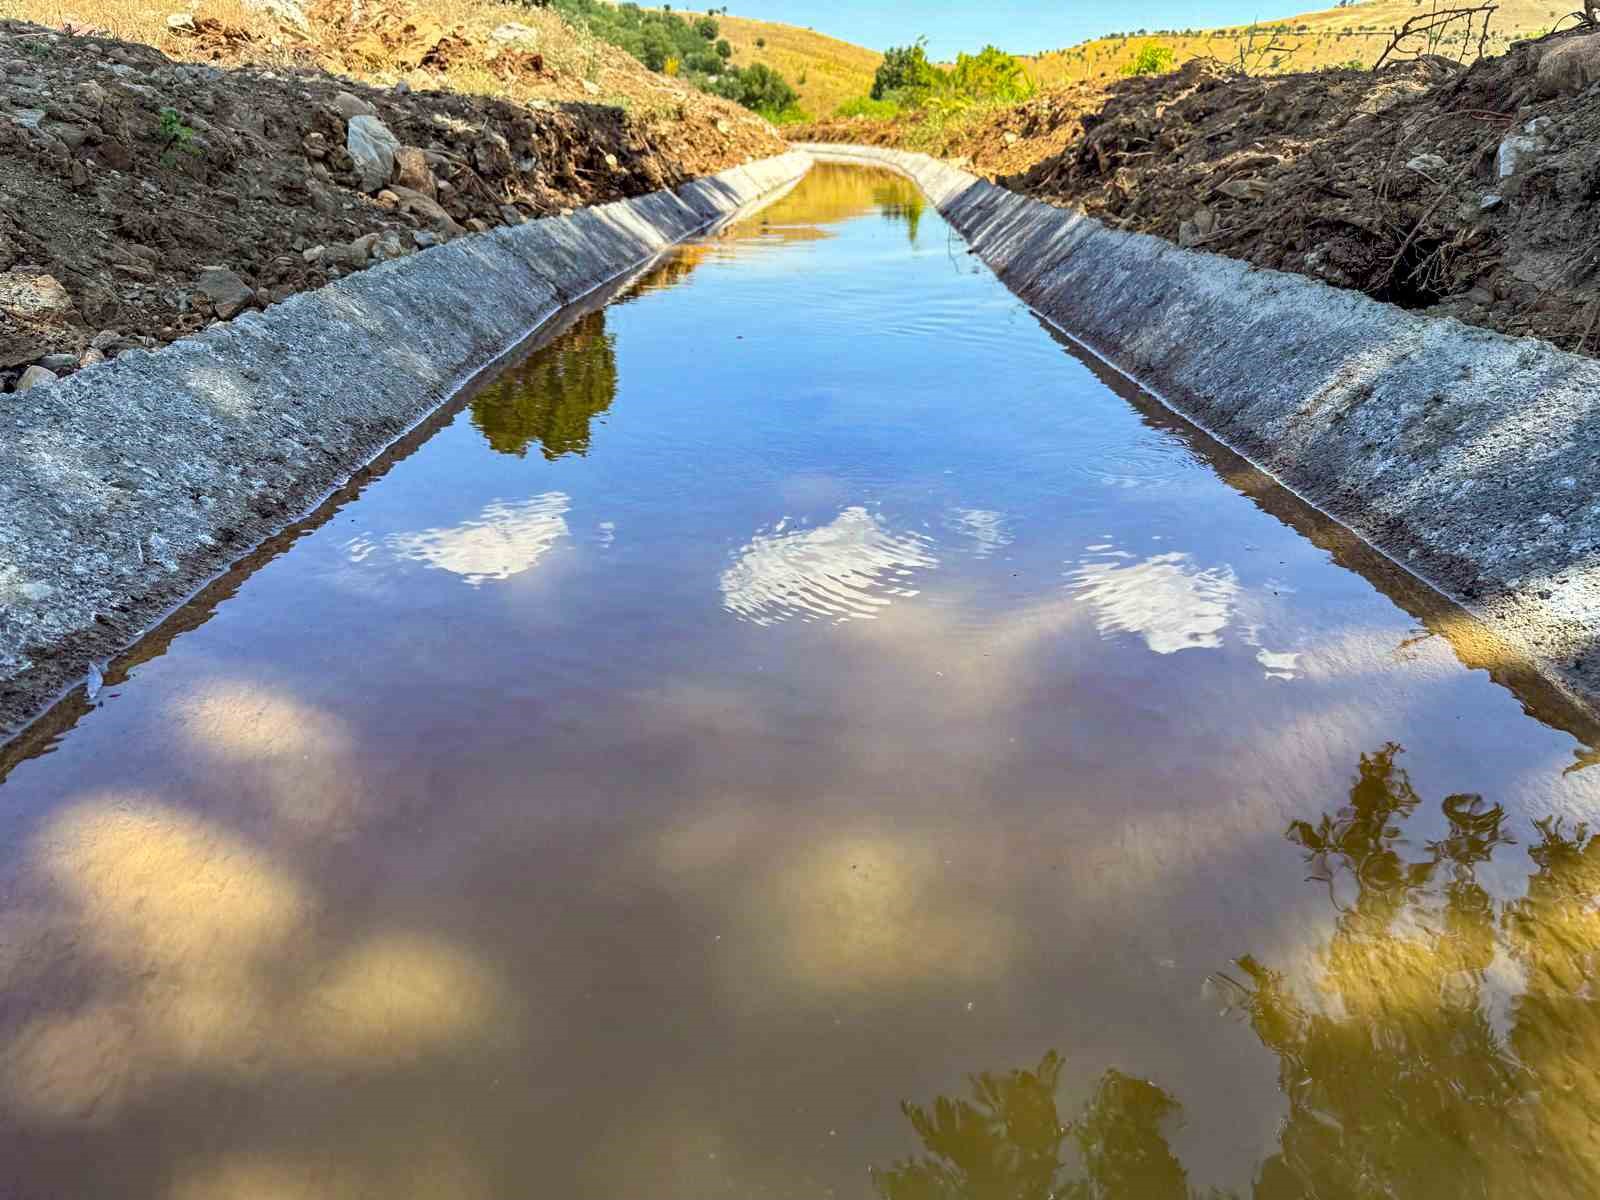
(1166,599)
(845,570)
(504,540)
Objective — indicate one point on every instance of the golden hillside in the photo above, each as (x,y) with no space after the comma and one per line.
(824,70)
(1336,36)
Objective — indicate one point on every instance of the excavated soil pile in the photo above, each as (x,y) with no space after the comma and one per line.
(1471,193)
(143,198)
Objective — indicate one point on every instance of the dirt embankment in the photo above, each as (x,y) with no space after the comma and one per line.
(1471,193)
(142,198)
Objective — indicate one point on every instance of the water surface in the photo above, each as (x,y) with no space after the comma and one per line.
(805,733)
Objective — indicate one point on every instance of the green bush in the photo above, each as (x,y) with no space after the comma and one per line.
(759,87)
(1150,60)
(992,75)
(906,71)
(866,106)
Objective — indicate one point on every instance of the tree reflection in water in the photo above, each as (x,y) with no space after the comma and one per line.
(554,395)
(1006,1143)
(900,200)
(1447,1045)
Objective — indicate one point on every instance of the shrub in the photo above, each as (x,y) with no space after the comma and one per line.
(759,87)
(866,106)
(906,70)
(992,74)
(1150,60)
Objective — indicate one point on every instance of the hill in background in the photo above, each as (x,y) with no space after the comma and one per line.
(1354,35)
(827,71)
(824,70)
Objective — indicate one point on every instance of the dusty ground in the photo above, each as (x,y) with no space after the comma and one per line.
(1389,183)
(125,175)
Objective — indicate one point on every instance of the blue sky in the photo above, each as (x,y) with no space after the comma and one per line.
(1021,26)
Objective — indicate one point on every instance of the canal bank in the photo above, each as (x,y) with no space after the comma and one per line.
(1471,458)
(123,489)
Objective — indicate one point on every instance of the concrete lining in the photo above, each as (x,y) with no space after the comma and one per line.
(1469,457)
(124,487)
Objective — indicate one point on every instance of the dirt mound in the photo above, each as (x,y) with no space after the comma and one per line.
(1462,192)
(141,198)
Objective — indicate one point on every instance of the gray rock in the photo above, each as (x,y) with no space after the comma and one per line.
(1515,153)
(181,22)
(1201,224)
(91,357)
(372,147)
(389,247)
(34,296)
(426,239)
(92,95)
(58,362)
(286,12)
(1490,201)
(429,210)
(72,136)
(228,293)
(351,256)
(514,33)
(511,215)
(348,105)
(1432,166)
(1570,66)
(411,169)
(35,377)
(1244,189)
(106,339)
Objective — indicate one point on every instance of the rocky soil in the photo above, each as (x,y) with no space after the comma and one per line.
(142,198)
(1471,192)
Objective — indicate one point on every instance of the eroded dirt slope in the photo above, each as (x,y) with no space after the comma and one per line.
(142,197)
(1470,192)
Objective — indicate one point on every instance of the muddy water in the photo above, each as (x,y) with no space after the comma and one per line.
(804,733)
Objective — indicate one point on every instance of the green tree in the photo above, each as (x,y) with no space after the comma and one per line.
(706,28)
(905,70)
(991,74)
(757,87)
(724,49)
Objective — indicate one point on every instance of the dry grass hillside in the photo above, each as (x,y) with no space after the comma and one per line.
(445,44)
(824,70)
(1353,35)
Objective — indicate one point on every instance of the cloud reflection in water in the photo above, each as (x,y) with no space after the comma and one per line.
(847,569)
